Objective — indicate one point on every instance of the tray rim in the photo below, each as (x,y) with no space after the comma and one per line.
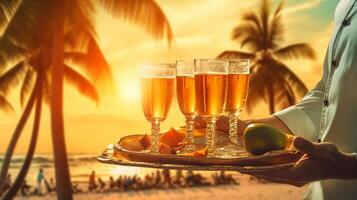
(118,148)
(107,157)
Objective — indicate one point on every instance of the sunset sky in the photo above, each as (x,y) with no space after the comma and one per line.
(202,29)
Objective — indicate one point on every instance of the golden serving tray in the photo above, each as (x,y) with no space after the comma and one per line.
(119,154)
(108,157)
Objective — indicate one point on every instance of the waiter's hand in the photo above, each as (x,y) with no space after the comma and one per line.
(321,161)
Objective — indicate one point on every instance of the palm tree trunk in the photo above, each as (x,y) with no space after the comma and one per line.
(63,179)
(15,137)
(271,100)
(31,149)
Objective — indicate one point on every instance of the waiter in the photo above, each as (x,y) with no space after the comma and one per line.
(325,120)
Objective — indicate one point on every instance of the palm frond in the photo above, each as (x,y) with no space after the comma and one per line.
(27,85)
(291,78)
(284,92)
(12,77)
(279,9)
(29,23)
(79,25)
(236,54)
(5,104)
(248,33)
(93,63)
(257,87)
(82,50)
(7,9)
(251,17)
(300,50)
(84,86)
(252,43)
(289,96)
(264,18)
(276,28)
(146,13)
(10,53)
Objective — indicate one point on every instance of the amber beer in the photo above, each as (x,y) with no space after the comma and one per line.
(236,92)
(210,94)
(157,96)
(186,94)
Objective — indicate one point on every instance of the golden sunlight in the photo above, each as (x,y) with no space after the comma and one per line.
(129,89)
(54,134)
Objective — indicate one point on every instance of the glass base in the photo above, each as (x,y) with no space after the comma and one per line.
(189,149)
(230,151)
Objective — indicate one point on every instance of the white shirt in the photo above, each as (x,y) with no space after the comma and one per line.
(329,111)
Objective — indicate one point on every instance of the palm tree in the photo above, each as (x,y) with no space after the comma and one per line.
(144,12)
(38,67)
(5,104)
(271,80)
(37,93)
(26,21)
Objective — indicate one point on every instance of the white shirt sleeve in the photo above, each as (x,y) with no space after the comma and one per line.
(303,119)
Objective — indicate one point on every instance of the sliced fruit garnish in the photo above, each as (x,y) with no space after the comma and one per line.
(145,141)
(198,153)
(165,149)
(173,138)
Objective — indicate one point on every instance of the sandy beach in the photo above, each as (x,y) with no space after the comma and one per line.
(82,166)
(246,190)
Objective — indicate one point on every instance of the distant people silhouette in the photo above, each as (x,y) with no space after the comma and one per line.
(92,185)
(40,179)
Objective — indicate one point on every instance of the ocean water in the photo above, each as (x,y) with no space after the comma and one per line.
(81,166)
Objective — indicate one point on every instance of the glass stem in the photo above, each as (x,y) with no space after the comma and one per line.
(155,134)
(233,122)
(210,137)
(190,134)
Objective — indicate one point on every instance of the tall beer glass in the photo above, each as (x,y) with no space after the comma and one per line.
(237,91)
(210,85)
(157,87)
(185,84)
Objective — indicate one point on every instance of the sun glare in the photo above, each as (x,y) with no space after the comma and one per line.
(129,90)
